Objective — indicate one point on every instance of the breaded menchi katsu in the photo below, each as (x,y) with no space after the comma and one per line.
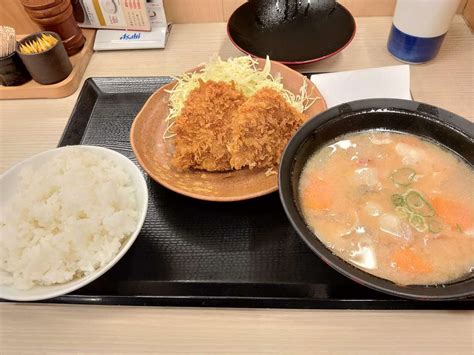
(219,129)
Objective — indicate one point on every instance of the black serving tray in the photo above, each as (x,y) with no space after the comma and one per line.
(198,253)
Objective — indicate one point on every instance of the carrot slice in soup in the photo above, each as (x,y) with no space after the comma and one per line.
(408,261)
(453,212)
(317,195)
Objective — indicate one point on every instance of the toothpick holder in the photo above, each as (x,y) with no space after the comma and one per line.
(50,66)
(13,71)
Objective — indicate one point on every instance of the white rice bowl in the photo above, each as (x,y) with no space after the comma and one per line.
(67,216)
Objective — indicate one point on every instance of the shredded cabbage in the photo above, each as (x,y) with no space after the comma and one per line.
(244,73)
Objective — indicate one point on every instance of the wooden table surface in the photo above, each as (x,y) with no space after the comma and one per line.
(31,126)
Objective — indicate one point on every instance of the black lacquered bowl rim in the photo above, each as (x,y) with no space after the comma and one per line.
(444,119)
(289,62)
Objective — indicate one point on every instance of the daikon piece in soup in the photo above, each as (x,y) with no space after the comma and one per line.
(395,205)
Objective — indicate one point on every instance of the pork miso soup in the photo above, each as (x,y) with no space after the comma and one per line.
(394,205)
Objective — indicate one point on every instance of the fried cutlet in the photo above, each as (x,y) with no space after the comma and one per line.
(261,129)
(203,128)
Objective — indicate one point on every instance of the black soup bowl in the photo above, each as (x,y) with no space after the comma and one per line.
(437,125)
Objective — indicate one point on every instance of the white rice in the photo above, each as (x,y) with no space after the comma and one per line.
(68,218)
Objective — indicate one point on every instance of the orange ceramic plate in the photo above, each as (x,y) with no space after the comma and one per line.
(155,153)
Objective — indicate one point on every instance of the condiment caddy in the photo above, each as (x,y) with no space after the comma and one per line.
(44,56)
(57,83)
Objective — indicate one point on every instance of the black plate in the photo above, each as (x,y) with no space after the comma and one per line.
(452,131)
(300,41)
(198,253)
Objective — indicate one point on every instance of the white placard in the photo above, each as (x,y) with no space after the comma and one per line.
(346,86)
(121,40)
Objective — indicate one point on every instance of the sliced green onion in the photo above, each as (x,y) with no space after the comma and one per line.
(435,226)
(418,222)
(417,204)
(403,176)
(402,212)
(398,200)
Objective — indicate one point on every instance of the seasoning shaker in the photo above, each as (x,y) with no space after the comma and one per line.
(57,16)
(419,27)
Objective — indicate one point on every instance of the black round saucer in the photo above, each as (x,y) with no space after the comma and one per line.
(300,41)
